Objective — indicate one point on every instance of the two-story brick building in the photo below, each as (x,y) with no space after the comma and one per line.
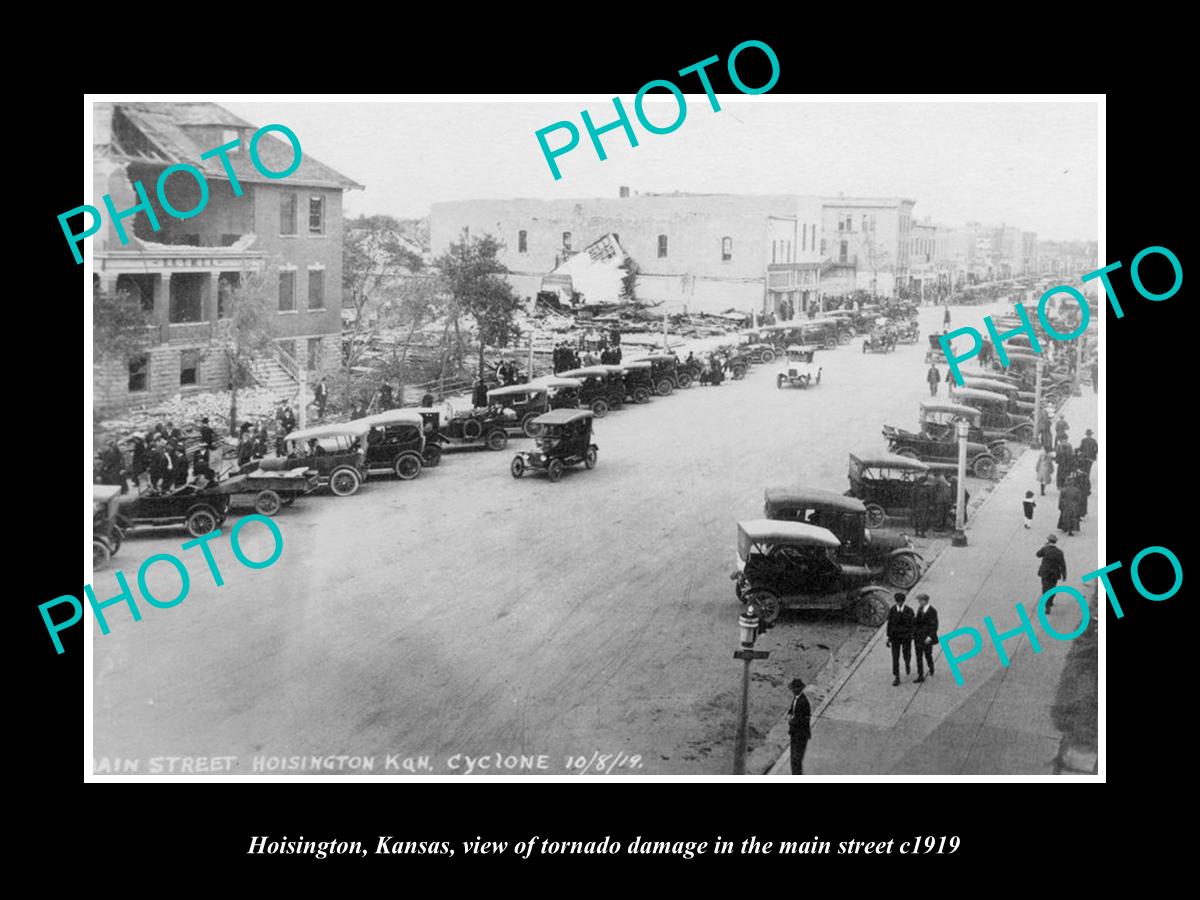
(290,226)
(872,236)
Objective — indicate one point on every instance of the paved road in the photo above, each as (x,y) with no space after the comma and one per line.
(470,612)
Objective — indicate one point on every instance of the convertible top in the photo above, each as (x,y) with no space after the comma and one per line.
(637,364)
(563,416)
(356,428)
(882,459)
(774,530)
(586,372)
(650,356)
(972,394)
(555,381)
(957,408)
(812,497)
(512,389)
(989,384)
(392,417)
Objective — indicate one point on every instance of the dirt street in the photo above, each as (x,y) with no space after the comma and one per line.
(469,612)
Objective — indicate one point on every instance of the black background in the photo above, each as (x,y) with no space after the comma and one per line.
(1148,442)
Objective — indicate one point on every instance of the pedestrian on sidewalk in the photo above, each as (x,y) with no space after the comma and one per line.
(1060,429)
(1045,468)
(1084,484)
(925,635)
(1063,459)
(933,377)
(799,725)
(1043,427)
(922,506)
(1088,448)
(322,397)
(1069,500)
(943,497)
(946,318)
(1053,568)
(899,636)
(1029,503)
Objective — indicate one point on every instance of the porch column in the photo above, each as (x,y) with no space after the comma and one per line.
(212,292)
(162,304)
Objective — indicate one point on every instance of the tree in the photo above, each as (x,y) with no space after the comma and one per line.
(374,259)
(419,299)
(877,256)
(121,327)
(245,334)
(474,279)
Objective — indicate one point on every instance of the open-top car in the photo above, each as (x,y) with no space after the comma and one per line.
(601,387)
(199,509)
(272,489)
(333,453)
(565,439)
(794,565)
(395,442)
(106,533)
(884,482)
(800,370)
(888,554)
(997,421)
(936,443)
(755,347)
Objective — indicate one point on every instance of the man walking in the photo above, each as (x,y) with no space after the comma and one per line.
(899,637)
(799,725)
(922,505)
(1088,448)
(946,318)
(322,397)
(925,635)
(933,378)
(943,496)
(1053,568)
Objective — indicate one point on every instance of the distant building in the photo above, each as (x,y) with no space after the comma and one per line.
(872,235)
(179,272)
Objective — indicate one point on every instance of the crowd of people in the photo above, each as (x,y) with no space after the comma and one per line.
(567,357)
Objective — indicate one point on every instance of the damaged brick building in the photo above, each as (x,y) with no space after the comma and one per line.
(183,272)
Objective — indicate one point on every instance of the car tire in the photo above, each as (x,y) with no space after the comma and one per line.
(768,356)
(527,426)
(407,466)
(871,609)
(765,604)
(903,571)
(1001,452)
(472,430)
(1025,433)
(267,503)
(876,515)
(664,387)
(554,469)
(780,381)
(600,408)
(344,481)
(517,467)
(497,439)
(685,380)
(101,554)
(739,372)
(201,522)
(432,456)
(589,458)
(843,337)
(830,343)
(983,467)
(641,395)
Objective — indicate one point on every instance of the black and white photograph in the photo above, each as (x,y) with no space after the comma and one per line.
(529,437)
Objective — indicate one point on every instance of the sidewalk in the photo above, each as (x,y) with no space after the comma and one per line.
(998,722)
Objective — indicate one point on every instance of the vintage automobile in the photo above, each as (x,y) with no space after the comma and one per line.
(527,401)
(199,509)
(272,489)
(887,553)
(1015,402)
(106,533)
(601,387)
(884,482)
(849,320)
(800,370)
(638,384)
(755,347)
(908,332)
(826,325)
(665,372)
(562,393)
(996,421)
(395,442)
(795,565)
(936,443)
(880,339)
(334,453)
(489,425)
(565,440)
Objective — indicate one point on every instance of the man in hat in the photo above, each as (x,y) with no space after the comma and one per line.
(1053,568)
(206,432)
(934,377)
(799,725)
(321,395)
(925,635)
(899,636)
(1088,448)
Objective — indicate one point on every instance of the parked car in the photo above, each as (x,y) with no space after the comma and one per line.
(395,442)
(565,439)
(601,387)
(888,554)
(106,533)
(272,490)
(800,370)
(1015,402)
(884,482)
(794,565)
(199,509)
(638,384)
(665,373)
(527,401)
(756,347)
(561,393)
(996,420)
(333,453)
(936,441)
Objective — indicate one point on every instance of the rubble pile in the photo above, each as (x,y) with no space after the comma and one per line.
(185,410)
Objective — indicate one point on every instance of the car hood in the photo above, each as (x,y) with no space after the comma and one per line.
(884,539)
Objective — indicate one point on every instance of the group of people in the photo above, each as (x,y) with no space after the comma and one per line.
(161,456)
(933,497)
(567,357)
(1070,469)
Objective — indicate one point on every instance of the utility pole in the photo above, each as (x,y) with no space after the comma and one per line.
(960,511)
(1037,403)
(748,629)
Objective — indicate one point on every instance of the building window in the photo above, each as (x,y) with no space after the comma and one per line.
(189,367)
(522,241)
(804,237)
(662,246)
(841,224)
(726,249)
(139,373)
(316,288)
(314,354)
(316,215)
(186,298)
(566,242)
(287,291)
(287,214)
(843,252)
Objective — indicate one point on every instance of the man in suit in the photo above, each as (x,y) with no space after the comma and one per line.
(321,395)
(925,635)
(899,636)
(161,466)
(1053,568)
(799,725)
(206,432)
(922,506)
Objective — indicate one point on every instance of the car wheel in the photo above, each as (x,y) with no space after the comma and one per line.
(875,515)
(664,387)
(765,604)
(407,466)
(589,458)
(1001,452)
(599,408)
(201,522)
(267,503)
(685,380)
(1025,433)
(768,356)
(518,467)
(739,372)
(100,554)
(843,337)
(472,429)
(871,609)
(555,469)
(432,456)
(830,343)
(641,395)
(531,430)
(344,481)
(984,467)
(903,571)
(497,439)
(780,380)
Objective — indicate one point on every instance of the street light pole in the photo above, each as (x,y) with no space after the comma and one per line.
(1037,404)
(748,629)
(960,512)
